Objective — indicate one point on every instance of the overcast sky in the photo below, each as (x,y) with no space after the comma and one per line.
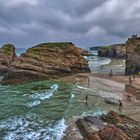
(84,22)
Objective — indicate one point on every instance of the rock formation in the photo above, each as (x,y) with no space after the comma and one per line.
(112,126)
(45,61)
(113,51)
(85,52)
(96,48)
(133,55)
(7,56)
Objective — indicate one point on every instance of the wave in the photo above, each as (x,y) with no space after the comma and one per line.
(82,87)
(36,98)
(33,103)
(31,127)
(94,114)
(72,96)
(57,131)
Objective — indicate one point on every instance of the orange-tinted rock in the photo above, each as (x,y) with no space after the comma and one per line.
(45,61)
(112,133)
(111,126)
(112,117)
(7,56)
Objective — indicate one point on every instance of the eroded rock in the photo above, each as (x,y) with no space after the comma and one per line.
(111,126)
(45,61)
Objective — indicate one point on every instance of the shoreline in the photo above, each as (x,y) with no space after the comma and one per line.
(118,81)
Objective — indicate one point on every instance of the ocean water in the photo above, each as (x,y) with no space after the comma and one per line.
(41,110)
(19,51)
(105,65)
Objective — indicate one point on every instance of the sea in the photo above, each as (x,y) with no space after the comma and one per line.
(44,110)
(19,51)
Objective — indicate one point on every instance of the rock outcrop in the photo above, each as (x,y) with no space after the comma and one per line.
(45,61)
(113,51)
(133,55)
(7,56)
(96,48)
(112,126)
(85,52)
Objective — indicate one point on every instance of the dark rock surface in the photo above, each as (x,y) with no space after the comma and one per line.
(133,55)
(46,61)
(113,51)
(112,126)
(96,48)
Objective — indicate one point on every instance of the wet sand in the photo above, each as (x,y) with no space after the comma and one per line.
(114,85)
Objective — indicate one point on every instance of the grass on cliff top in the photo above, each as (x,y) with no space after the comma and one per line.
(50,45)
(38,49)
(7,48)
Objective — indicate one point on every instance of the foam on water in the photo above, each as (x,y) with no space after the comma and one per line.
(36,98)
(42,96)
(57,132)
(94,114)
(31,127)
(33,103)
(82,87)
(98,61)
(72,96)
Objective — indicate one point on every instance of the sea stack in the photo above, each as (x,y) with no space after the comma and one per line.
(46,61)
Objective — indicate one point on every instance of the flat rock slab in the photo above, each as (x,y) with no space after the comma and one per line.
(111,126)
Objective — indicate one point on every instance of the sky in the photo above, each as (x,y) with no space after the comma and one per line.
(86,23)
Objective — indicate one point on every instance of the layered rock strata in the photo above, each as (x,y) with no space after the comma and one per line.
(112,126)
(46,61)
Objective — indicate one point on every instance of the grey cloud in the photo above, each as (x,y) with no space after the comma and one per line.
(86,22)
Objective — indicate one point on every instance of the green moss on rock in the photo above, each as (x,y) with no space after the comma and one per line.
(7,48)
(50,46)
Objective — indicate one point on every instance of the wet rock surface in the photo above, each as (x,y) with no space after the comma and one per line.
(46,61)
(112,126)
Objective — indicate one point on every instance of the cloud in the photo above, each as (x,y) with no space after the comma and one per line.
(86,23)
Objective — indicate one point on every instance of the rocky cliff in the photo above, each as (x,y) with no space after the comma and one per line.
(7,56)
(133,55)
(113,51)
(45,61)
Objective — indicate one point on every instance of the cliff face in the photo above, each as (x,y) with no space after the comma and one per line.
(45,61)
(133,55)
(7,56)
(113,51)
